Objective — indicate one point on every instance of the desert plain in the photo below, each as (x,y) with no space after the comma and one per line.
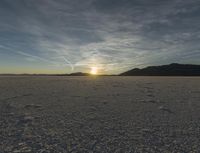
(110,114)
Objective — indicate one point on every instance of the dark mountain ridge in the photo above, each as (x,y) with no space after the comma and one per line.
(173,69)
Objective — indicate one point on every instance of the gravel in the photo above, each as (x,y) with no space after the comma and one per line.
(99,114)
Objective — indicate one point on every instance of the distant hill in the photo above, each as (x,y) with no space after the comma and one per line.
(173,69)
(71,74)
(78,74)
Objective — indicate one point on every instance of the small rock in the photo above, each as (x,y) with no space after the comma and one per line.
(32,106)
(105,102)
(28,118)
(25,119)
(165,109)
(146,131)
(25,149)
(11,114)
(148,101)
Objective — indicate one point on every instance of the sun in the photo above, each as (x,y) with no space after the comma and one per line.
(94,71)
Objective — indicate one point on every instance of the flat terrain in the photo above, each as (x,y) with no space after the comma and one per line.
(100,114)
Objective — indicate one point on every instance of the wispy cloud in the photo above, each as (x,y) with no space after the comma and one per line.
(113,35)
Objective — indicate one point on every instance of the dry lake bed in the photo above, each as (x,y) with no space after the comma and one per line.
(99,114)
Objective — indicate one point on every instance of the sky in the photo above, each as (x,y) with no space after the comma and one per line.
(67,36)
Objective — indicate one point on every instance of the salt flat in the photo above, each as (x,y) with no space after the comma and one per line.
(99,114)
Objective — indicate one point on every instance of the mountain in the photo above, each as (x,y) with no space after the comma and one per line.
(173,69)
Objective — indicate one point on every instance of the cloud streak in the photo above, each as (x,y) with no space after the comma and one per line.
(114,35)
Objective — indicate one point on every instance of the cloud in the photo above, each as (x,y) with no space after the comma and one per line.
(114,34)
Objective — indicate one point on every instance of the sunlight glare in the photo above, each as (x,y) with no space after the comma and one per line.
(94,71)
